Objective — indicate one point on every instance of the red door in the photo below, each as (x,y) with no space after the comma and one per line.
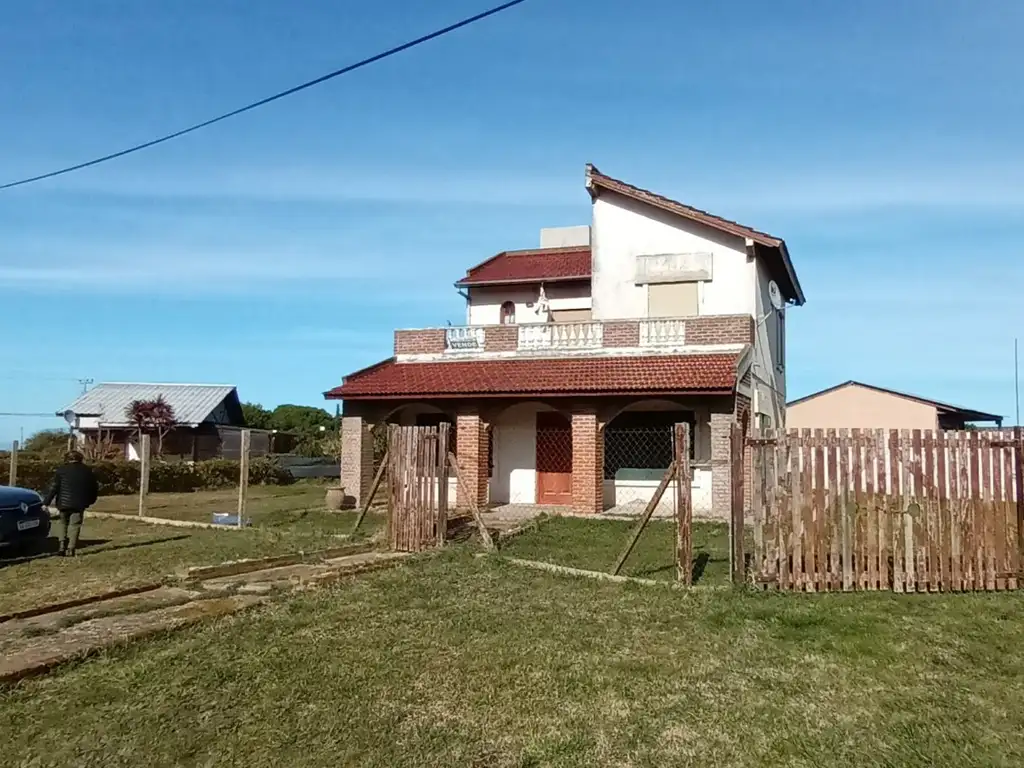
(554,459)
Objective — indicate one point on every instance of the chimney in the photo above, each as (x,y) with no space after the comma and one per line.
(564,237)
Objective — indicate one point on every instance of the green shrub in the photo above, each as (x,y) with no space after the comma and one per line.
(122,477)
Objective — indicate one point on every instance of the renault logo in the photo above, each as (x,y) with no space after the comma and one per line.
(24,507)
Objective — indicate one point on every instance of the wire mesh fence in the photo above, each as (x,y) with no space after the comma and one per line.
(134,481)
(638,450)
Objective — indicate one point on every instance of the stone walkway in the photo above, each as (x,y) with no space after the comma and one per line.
(35,645)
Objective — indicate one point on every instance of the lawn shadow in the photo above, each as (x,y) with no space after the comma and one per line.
(97,544)
(700,564)
(47,548)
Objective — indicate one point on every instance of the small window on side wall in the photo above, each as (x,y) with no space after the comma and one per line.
(780,340)
(508,313)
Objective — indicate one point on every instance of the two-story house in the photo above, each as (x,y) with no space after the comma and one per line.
(578,357)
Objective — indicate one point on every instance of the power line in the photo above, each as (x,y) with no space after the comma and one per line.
(31,415)
(309,84)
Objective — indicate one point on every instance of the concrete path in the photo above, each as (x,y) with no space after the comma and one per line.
(35,645)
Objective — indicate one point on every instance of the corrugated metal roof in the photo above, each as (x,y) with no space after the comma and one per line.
(192,403)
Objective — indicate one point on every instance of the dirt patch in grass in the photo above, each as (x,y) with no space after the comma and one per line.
(463,661)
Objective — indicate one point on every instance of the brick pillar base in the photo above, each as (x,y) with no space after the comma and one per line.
(587,464)
(471,452)
(721,461)
(356,459)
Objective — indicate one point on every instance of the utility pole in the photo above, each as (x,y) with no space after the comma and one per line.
(1016,383)
(85,384)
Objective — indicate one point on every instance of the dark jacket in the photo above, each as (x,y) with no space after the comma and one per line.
(74,487)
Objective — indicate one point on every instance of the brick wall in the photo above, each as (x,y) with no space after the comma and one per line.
(471,452)
(622,333)
(721,481)
(743,416)
(356,458)
(723,329)
(501,338)
(421,342)
(587,464)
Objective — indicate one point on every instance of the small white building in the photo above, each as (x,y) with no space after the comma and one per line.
(578,357)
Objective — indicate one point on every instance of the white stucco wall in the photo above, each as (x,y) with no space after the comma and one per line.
(624,229)
(515,455)
(769,382)
(484,307)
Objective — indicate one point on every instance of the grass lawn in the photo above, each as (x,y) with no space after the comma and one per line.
(596,544)
(266,503)
(115,553)
(474,662)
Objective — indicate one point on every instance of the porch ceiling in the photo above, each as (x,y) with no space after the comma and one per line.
(555,377)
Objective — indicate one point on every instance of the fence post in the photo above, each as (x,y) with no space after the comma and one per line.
(684,506)
(13,475)
(737,564)
(143,473)
(1018,449)
(243,474)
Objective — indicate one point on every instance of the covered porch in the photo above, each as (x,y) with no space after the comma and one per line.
(584,435)
(583,456)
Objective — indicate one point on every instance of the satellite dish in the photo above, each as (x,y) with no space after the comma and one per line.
(775,296)
(70,417)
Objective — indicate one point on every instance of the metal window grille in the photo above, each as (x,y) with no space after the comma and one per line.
(639,446)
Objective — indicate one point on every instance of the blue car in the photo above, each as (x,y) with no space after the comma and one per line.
(24,522)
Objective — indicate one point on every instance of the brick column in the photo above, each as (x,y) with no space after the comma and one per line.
(471,452)
(721,480)
(356,459)
(587,464)
(744,417)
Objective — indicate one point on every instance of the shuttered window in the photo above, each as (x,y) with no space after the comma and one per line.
(570,315)
(672,300)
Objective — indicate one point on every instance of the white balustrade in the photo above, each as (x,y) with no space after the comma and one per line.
(464,339)
(662,332)
(584,335)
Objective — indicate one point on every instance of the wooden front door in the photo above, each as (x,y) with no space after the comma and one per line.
(554,459)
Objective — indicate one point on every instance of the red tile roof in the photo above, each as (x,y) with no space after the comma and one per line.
(531,266)
(596,181)
(710,373)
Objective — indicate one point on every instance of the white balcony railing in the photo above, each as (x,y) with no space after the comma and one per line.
(666,332)
(464,339)
(585,335)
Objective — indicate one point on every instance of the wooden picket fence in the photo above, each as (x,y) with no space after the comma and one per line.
(910,511)
(417,473)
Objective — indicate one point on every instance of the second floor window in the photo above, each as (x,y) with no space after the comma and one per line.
(672,300)
(508,313)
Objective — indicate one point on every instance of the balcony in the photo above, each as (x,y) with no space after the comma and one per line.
(665,335)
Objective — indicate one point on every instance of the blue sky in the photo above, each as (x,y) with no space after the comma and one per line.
(277,251)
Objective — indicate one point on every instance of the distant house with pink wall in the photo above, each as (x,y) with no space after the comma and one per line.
(856,405)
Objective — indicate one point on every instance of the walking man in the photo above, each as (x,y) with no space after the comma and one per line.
(74,488)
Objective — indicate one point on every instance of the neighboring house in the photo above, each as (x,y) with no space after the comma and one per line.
(209,419)
(579,356)
(855,405)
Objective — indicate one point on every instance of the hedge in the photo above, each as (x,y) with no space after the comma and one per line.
(122,477)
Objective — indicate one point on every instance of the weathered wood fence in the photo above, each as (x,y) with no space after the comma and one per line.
(417,476)
(868,510)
